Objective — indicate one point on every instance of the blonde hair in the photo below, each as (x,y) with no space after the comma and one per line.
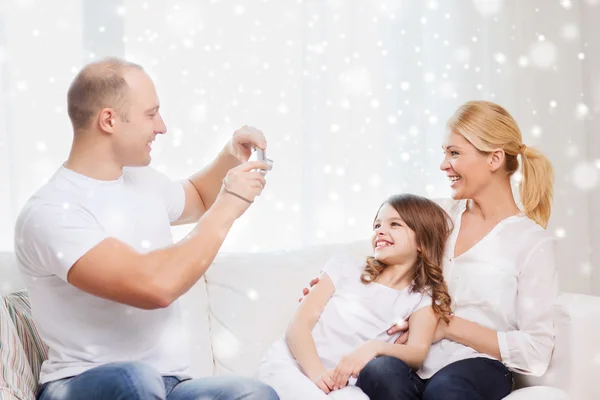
(488,127)
(98,85)
(432,226)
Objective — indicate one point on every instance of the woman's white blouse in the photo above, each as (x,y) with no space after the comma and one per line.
(506,282)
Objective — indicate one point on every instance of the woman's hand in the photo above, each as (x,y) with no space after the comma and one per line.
(353,363)
(306,290)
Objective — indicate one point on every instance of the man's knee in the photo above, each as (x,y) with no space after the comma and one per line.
(134,380)
(260,391)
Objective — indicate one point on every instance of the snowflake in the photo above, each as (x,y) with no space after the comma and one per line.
(375,180)
(586,268)
(282,109)
(536,131)
(239,9)
(517,177)
(567,4)
(553,104)
(488,7)
(429,77)
(252,294)
(560,233)
(500,58)
(21,86)
(543,54)
(581,56)
(585,176)
(198,113)
(225,344)
(569,31)
(581,111)
(405,86)
(356,81)
(41,146)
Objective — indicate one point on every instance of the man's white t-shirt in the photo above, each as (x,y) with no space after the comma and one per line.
(355,313)
(62,221)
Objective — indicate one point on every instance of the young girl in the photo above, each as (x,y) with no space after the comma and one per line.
(342,323)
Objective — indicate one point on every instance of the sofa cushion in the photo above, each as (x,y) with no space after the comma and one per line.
(19,308)
(575,365)
(16,379)
(538,393)
(194,309)
(252,297)
(10,279)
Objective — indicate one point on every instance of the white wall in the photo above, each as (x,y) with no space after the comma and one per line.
(353,97)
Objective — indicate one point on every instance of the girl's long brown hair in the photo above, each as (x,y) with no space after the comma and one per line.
(432,226)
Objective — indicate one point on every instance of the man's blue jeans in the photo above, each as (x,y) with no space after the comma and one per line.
(389,378)
(137,381)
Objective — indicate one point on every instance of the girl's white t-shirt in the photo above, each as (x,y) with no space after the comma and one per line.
(355,313)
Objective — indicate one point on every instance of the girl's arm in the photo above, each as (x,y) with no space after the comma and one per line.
(422,325)
(299,333)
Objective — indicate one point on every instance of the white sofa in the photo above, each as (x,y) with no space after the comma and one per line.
(246,300)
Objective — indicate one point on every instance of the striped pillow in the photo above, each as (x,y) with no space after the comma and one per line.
(19,309)
(16,379)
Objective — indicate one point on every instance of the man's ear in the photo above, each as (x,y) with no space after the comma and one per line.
(107,119)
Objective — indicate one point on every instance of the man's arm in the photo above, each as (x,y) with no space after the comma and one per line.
(115,271)
(202,188)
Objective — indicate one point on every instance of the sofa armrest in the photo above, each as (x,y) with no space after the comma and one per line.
(575,365)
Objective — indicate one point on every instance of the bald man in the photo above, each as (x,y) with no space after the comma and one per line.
(95,249)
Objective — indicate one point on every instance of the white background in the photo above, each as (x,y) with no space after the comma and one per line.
(352,95)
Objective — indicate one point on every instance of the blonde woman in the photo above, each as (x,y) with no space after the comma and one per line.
(499,267)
